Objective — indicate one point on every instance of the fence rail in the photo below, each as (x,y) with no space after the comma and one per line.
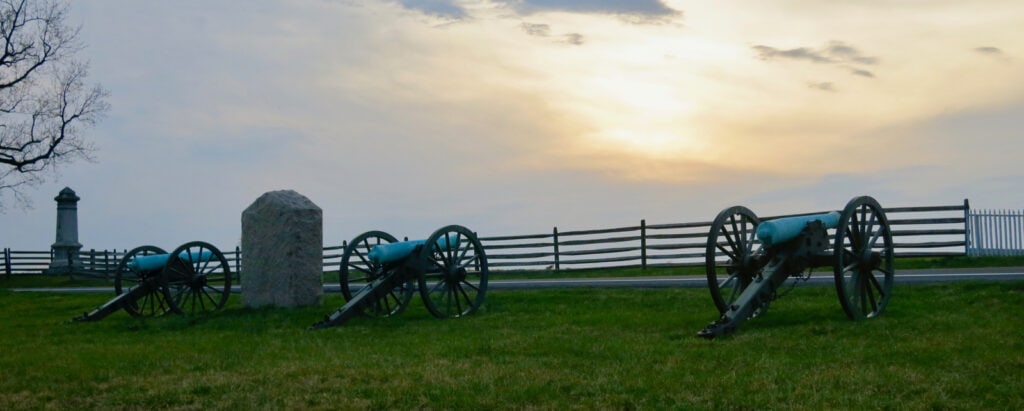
(949,230)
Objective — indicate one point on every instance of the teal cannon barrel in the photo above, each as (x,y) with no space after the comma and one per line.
(393,252)
(148,281)
(379,275)
(747,260)
(785,229)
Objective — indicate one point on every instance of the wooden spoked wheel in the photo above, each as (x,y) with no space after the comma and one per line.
(863,259)
(196,279)
(453,282)
(128,276)
(729,258)
(359,271)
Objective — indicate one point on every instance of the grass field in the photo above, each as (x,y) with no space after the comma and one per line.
(949,346)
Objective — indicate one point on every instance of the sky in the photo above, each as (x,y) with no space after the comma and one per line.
(516,116)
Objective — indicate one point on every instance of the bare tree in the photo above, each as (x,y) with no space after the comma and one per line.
(45,104)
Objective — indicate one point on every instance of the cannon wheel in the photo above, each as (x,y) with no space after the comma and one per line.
(728,258)
(863,259)
(358,271)
(126,278)
(196,279)
(454,280)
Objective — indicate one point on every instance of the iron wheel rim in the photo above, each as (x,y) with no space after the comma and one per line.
(864,267)
(454,281)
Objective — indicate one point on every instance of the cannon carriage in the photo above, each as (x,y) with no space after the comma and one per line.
(192,279)
(747,260)
(380,274)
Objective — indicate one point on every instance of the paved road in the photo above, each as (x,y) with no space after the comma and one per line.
(819,278)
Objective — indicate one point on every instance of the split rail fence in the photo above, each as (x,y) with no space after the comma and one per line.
(929,231)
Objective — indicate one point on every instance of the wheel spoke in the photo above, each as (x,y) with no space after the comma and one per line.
(742,236)
(864,209)
(732,256)
(383,305)
(737,241)
(471,285)
(465,266)
(736,290)
(750,243)
(362,257)
(868,289)
(213,301)
(205,264)
(732,243)
(876,285)
(733,276)
(446,296)
(466,246)
(436,287)
(454,289)
(447,250)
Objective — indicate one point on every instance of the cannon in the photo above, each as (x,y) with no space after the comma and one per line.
(379,275)
(748,260)
(192,279)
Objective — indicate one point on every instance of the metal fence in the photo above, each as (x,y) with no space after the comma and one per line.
(996,233)
(917,232)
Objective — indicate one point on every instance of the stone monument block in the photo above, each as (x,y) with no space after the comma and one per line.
(282,251)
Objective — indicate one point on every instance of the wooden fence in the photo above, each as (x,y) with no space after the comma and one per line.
(98,263)
(996,233)
(917,232)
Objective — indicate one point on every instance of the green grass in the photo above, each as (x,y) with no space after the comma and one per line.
(949,346)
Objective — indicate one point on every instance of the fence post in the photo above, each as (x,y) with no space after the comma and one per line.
(643,244)
(1001,231)
(7,262)
(554,233)
(238,260)
(476,263)
(967,227)
(1018,230)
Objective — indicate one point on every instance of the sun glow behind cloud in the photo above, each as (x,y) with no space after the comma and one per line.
(680,100)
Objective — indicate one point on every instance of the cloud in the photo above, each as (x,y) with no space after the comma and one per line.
(633,11)
(440,8)
(993,51)
(824,86)
(534,29)
(846,52)
(862,73)
(575,39)
(834,52)
(771,53)
(544,30)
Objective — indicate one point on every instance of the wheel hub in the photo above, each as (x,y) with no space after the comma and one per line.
(455,275)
